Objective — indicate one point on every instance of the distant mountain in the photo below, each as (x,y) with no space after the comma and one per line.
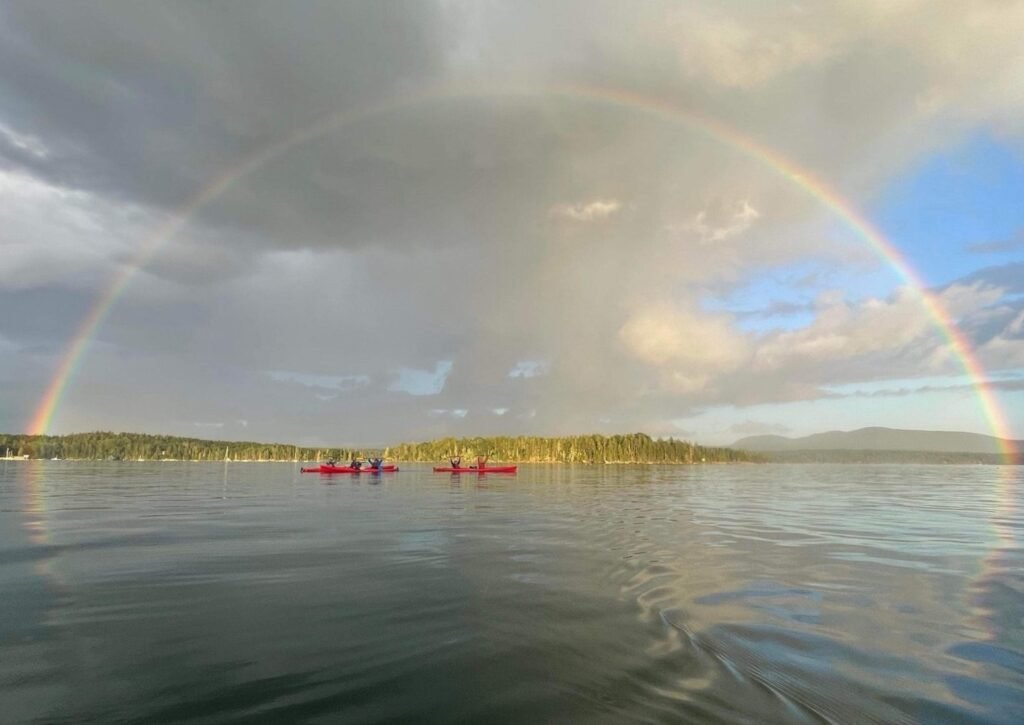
(879,439)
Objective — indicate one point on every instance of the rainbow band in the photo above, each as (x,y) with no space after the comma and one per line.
(709,127)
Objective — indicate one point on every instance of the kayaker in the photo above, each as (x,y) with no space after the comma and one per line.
(331,462)
(356,464)
(456,461)
(375,463)
(481,461)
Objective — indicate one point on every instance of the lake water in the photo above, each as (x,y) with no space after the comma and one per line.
(178,592)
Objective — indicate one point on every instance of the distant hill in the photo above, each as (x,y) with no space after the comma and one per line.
(878,439)
(878,444)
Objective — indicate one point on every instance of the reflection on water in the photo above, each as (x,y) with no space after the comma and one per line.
(192,592)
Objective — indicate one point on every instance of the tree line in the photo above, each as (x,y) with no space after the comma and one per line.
(631,448)
(139,446)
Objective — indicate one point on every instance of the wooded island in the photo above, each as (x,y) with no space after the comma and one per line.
(631,448)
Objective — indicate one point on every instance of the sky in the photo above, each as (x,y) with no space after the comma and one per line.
(372,222)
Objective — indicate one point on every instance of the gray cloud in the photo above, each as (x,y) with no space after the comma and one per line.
(1009,276)
(1002,385)
(1011,244)
(777,308)
(118,91)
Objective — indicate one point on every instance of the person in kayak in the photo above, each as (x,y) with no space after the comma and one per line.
(356,464)
(375,463)
(331,462)
(456,461)
(481,461)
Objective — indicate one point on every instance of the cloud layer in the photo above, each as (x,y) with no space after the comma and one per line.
(382,267)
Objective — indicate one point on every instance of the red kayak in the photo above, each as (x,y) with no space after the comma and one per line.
(474,469)
(348,469)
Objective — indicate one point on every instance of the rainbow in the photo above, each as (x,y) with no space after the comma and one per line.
(711,128)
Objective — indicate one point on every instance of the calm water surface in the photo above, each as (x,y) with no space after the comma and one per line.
(176,592)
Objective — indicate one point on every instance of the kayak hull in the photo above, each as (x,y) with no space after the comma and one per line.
(474,469)
(349,469)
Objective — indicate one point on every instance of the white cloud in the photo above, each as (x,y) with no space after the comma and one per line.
(959,55)
(24,142)
(717,224)
(738,53)
(52,235)
(688,349)
(587,211)
(422,382)
(843,331)
(448,412)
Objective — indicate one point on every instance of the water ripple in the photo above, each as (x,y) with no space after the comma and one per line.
(205,593)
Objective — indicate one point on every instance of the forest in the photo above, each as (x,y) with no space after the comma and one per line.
(630,448)
(141,447)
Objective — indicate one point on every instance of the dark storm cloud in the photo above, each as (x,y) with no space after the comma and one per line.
(153,104)
(432,176)
(41,318)
(149,101)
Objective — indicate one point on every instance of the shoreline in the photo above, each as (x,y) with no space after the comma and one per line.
(554,463)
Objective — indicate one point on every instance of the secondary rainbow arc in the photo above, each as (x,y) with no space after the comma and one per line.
(74,353)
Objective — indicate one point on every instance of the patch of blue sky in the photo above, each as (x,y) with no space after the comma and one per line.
(422,382)
(858,278)
(969,195)
(781,298)
(836,257)
(451,412)
(528,369)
